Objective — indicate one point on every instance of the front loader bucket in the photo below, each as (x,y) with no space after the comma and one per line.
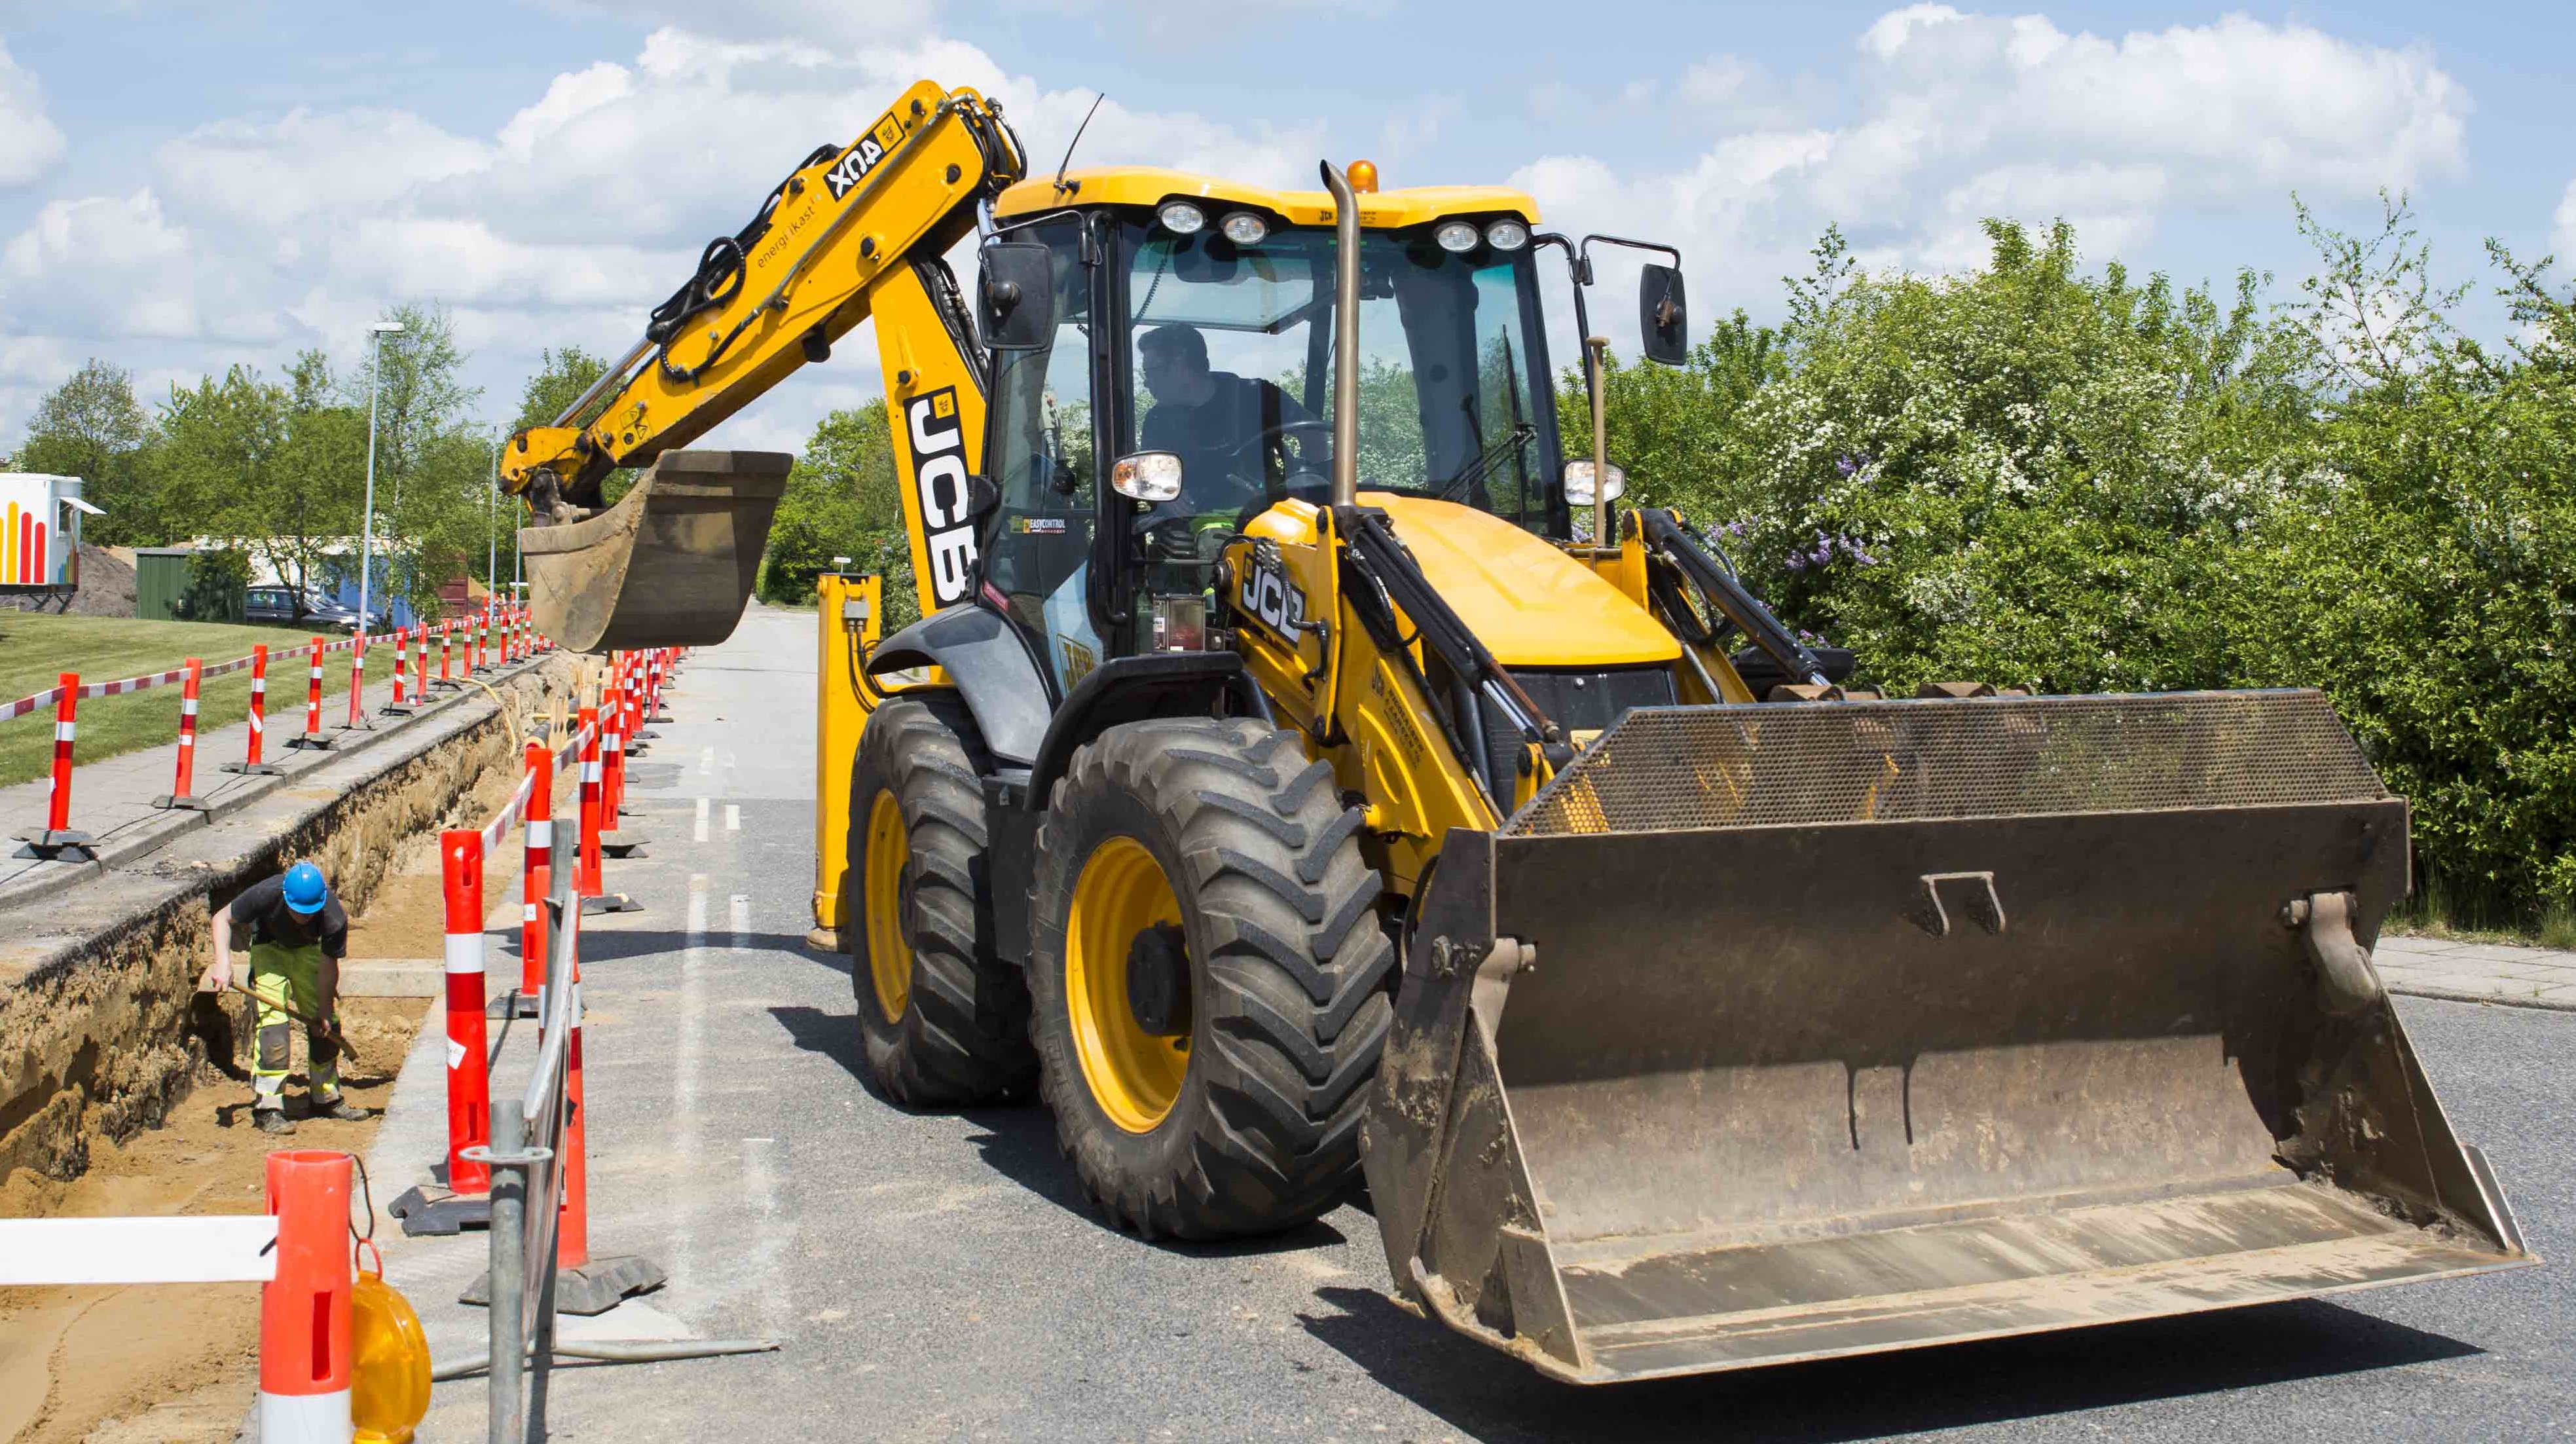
(670,565)
(1768,1033)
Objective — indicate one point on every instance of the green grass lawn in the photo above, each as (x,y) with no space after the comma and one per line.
(34,648)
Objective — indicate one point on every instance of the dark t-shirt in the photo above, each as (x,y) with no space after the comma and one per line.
(1208,437)
(260,915)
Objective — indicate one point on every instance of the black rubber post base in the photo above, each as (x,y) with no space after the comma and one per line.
(167,803)
(309,743)
(615,902)
(428,1210)
(594,1288)
(64,846)
(623,849)
(390,710)
(254,769)
(512,1004)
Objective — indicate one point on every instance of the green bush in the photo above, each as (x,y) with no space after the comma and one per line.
(840,501)
(2077,483)
(217,588)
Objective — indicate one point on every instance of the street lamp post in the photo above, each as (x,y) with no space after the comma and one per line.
(491,538)
(367,527)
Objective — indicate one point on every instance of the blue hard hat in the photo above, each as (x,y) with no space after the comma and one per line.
(306,892)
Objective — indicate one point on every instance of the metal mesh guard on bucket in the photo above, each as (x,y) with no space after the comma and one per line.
(1676,768)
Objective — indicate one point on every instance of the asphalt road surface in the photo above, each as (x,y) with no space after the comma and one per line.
(939,1276)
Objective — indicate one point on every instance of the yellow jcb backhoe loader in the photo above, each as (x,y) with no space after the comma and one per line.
(1303,771)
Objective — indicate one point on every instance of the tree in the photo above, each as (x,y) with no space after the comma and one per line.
(562,376)
(92,427)
(433,466)
(841,501)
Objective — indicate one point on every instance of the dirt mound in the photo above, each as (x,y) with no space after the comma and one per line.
(106,585)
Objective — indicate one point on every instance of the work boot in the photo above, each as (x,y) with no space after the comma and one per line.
(335,1106)
(272,1120)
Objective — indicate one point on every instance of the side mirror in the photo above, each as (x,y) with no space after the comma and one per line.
(1016,302)
(1663,317)
(1147,476)
(983,498)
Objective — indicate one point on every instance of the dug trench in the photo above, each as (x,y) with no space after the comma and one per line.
(118,1096)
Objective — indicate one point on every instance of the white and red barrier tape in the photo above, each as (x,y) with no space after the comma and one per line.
(146,683)
(517,807)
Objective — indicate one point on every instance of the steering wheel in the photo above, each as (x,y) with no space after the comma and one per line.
(1312,469)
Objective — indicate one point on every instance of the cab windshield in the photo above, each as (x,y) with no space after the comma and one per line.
(1230,350)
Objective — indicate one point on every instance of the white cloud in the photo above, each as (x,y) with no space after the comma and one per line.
(1962,116)
(2562,237)
(250,240)
(29,143)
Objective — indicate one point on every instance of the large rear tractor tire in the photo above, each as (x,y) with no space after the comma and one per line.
(1207,978)
(942,1018)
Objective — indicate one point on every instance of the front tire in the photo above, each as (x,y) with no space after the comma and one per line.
(1207,978)
(942,1018)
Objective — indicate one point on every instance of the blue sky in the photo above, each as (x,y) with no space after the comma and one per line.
(186,185)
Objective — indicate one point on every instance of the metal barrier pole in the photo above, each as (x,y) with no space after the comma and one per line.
(509,1158)
(251,765)
(183,783)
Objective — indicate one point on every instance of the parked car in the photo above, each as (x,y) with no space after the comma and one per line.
(270,604)
(281,604)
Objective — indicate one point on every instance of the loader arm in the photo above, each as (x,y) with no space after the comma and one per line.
(854,233)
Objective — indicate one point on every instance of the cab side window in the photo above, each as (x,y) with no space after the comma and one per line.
(1041,456)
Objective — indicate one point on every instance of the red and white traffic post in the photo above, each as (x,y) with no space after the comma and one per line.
(469,1082)
(57,840)
(312,737)
(357,685)
(182,795)
(304,1309)
(251,764)
(587,882)
(402,663)
(536,872)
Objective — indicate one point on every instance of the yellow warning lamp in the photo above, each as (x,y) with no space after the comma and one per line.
(388,1363)
(1363,176)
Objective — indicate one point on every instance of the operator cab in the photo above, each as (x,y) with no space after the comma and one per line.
(1186,360)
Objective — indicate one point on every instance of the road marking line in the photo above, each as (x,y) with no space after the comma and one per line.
(741,919)
(733,817)
(692,1053)
(701,834)
(706,761)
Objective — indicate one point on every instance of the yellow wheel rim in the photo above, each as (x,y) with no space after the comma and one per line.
(1135,1077)
(889,958)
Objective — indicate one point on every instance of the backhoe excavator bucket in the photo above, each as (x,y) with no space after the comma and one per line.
(670,565)
(1768,1033)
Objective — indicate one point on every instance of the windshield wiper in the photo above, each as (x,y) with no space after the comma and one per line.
(1515,441)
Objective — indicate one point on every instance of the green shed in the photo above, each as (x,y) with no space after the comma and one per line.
(168,588)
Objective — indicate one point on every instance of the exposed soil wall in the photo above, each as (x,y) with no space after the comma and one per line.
(98,1041)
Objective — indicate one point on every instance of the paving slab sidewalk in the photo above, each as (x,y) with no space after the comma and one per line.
(2478,972)
(116,800)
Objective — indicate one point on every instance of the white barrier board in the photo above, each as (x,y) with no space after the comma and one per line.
(222,1248)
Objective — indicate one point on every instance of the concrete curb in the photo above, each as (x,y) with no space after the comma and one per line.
(2463,995)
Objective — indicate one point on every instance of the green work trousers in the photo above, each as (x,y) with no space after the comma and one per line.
(290,976)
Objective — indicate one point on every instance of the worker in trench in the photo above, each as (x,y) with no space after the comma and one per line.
(298,933)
